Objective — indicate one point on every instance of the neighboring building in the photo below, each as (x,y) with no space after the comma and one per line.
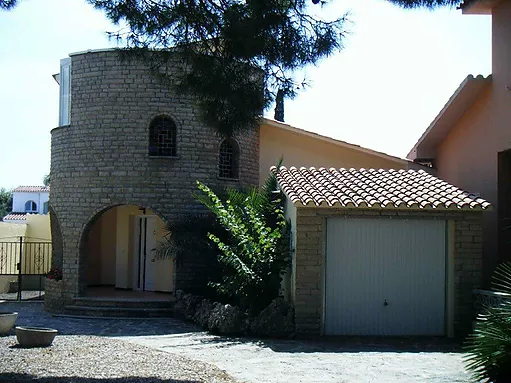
(125,160)
(28,200)
(469,142)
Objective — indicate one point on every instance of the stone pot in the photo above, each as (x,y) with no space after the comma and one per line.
(7,320)
(35,336)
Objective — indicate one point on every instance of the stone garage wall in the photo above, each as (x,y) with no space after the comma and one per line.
(310,253)
(101,159)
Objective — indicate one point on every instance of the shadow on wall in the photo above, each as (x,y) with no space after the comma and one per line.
(25,378)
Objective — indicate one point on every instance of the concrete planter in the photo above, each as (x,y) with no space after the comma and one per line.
(7,320)
(35,336)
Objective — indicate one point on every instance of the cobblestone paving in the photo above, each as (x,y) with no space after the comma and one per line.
(272,361)
(32,314)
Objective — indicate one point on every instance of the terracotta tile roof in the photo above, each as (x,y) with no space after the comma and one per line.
(372,188)
(15,217)
(35,189)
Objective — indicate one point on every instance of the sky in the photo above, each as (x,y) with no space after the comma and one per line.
(396,71)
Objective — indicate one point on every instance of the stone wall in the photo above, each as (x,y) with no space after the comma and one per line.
(101,159)
(54,296)
(310,252)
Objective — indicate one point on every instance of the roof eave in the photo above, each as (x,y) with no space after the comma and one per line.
(462,99)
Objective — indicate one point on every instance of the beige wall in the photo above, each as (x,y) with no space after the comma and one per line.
(102,250)
(164,267)
(38,228)
(94,254)
(124,250)
(11,232)
(301,150)
(36,257)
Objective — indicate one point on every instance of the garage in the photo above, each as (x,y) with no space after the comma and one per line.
(381,252)
(385,277)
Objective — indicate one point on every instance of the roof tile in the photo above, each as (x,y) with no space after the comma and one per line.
(373,188)
(34,189)
(15,217)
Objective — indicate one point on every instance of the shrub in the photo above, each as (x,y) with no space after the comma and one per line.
(489,346)
(256,252)
(55,273)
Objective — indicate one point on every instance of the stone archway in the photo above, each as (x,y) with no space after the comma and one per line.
(117,251)
(56,239)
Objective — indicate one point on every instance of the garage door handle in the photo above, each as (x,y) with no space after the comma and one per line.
(385,303)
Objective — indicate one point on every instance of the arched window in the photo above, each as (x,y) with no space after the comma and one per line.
(45,207)
(162,137)
(30,207)
(228,165)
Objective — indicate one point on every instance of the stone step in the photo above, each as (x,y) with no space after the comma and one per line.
(118,312)
(123,303)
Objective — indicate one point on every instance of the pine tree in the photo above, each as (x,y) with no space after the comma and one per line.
(239,53)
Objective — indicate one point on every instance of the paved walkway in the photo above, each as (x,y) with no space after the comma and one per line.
(280,361)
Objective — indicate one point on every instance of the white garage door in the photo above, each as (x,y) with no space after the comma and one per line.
(385,277)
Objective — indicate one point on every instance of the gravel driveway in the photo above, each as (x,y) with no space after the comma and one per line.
(181,349)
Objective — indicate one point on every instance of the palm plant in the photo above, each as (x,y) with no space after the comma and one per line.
(489,346)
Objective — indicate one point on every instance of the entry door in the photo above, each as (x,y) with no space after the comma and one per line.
(385,277)
(145,265)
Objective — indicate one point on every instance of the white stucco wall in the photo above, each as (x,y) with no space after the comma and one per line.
(20,198)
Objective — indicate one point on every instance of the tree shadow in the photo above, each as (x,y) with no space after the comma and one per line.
(25,378)
(343,344)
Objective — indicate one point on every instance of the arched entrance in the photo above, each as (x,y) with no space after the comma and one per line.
(119,247)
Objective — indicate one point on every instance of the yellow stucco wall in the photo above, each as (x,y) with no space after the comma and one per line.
(302,150)
(38,228)
(11,232)
(36,257)
(124,250)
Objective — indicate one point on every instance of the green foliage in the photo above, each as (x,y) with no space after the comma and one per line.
(46,180)
(237,53)
(5,202)
(489,346)
(8,4)
(426,3)
(256,253)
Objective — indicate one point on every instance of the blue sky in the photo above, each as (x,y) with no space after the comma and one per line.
(397,70)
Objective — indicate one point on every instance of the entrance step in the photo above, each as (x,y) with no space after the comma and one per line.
(123,303)
(120,308)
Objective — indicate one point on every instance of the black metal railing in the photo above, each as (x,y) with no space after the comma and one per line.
(27,262)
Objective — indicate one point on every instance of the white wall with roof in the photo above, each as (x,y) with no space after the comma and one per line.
(19,199)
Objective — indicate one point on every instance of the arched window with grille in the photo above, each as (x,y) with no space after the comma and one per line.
(228,166)
(162,137)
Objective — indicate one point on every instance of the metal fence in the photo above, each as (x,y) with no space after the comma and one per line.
(23,267)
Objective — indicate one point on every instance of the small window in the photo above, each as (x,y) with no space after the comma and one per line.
(30,207)
(65,92)
(162,137)
(228,159)
(45,208)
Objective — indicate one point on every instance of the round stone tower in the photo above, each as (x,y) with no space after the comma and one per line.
(130,148)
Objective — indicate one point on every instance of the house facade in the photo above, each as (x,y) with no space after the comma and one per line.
(29,200)
(25,238)
(469,141)
(125,161)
